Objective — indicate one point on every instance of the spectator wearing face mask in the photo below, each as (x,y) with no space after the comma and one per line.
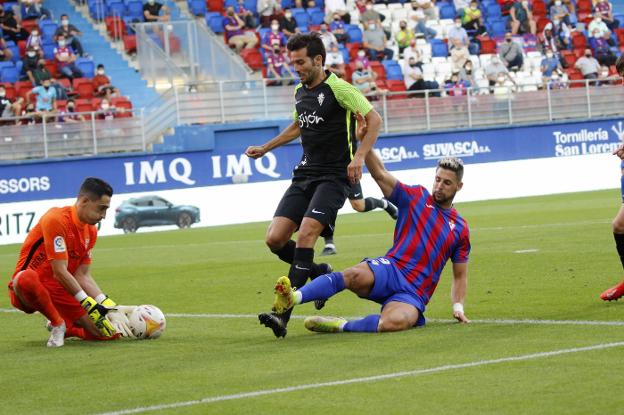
(604,9)
(374,40)
(458,33)
(269,10)
(34,42)
(428,8)
(46,97)
(404,36)
(363,59)
(246,16)
(102,84)
(473,20)
(588,65)
(598,29)
(364,80)
(560,12)
(69,115)
(511,53)
(288,24)
(71,34)
(9,108)
(30,61)
(337,6)
(370,13)
(555,82)
(413,51)
(40,72)
(414,81)
(602,51)
(106,111)
(35,10)
(152,12)
(277,65)
(11,27)
(327,37)
(549,65)
(419,20)
(334,61)
(459,55)
(234,33)
(274,36)
(337,27)
(66,60)
(494,70)
(466,74)
(522,18)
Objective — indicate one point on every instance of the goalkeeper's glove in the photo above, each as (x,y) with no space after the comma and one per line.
(116,316)
(97,314)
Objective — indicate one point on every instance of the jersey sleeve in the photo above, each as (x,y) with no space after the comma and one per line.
(295,114)
(462,250)
(351,98)
(54,237)
(402,194)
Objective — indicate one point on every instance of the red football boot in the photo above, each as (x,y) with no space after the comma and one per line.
(613,293)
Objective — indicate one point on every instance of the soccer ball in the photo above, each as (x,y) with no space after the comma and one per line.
(147,322)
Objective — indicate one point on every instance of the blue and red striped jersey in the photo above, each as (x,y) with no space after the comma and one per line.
(425,237)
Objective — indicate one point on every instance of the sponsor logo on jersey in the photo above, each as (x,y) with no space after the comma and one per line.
(59,244)
(452,225)
(321,98)
(307,120)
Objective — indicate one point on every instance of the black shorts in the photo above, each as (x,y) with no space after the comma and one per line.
(319,199)
(356,192)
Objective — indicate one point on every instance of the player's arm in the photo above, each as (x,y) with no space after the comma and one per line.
(367,141)
(458,290)
(64,277)
(290,133)
(386,181)
(86,281)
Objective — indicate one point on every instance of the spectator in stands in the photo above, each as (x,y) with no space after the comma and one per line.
(414,81)
(154,11)
(246,16)
(428,8)
(603,51)
(5,53)
(66,59)
(29,64)
(560,12)
(548,41)
(457,32)
(604,9)
(364,80)
(418,18)
(522,18)
(334,61)
(71,34)
(371,14)
(556,82)
(494,70)
(34,42)
(361,57)
(456,86)
(46,97)
(461,4)
(502,86)
(274,36)
(35,10)
(466,74)
(11,28)
(562,33)
(40,72)
(511,53)
(549,65)
(606,78)
(29,115)
(459,54)
(305,4)
(269,10)
(327,37)
(9,108)
(472,19)
(413,51)
(106,111)
(102,84)
(277,65)
(234,34)
(588,65)
(69,114)
(337,6)
(374,40)
(404,36)
(598,29)
(338,29)
(288,24)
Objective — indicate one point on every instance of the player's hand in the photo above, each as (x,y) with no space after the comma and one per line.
(97,314)
(255,152)
(620,151)
(120,323)
(362,127)
(459,316)
(354,169)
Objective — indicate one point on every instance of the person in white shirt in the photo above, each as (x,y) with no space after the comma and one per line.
(339,7)
(334,61)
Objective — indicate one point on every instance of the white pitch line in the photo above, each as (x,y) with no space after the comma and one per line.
(433,320)
(416,372)
(526,251)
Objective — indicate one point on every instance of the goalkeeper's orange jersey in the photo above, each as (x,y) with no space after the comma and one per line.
(58,235)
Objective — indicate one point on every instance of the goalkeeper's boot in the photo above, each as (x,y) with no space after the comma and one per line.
(613,293)
(322,324)
(330,249)
(322,269)
(274,322)
(57,336)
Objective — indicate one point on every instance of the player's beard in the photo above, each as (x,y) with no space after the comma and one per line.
(441,199)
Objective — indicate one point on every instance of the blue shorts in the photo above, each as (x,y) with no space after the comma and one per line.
(390,285)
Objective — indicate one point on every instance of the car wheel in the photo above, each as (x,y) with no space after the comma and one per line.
(129,225)
(185,220)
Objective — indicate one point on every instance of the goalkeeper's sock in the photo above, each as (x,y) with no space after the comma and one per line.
(321,288)
(36,295)
(287,252)
(619,244)
(368,324)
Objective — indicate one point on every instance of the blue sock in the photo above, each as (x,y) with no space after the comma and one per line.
(367,324)
(322,287)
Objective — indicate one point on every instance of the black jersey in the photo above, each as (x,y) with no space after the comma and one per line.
(326,117)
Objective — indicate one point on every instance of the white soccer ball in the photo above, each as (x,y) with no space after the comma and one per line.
(147,322)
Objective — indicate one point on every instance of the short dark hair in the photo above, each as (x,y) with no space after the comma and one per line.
(453,164)
(95,188)
(311,41)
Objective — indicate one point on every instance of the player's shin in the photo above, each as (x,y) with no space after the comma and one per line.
(322,288)
(619,245)
(287,252)
(301,268)
(368,324)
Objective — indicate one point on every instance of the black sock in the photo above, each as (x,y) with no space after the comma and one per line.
(287,252)
(371,203)
(619,244)
(329,240)
(301,267)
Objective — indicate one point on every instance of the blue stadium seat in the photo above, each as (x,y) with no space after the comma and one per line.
(48,49)
(134,8)
(115,8)
(129,20)
(87,67)
(252,5)
(497,28)
(317,17)
(198,7)
(447,11)
(311,10)
(355,34)
(302,18)
(493,10)
(9,5)
(230,3)
(9,74)
(439,49)
(48,28)
(345,55)
(215,22)
(15,49)
(287,4)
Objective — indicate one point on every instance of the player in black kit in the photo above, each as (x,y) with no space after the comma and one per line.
(324,117)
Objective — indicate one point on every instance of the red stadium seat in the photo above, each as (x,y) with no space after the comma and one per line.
(395,85)
(619,33)
(21,46)
(11,93)
(584,6)
(215,5)
(569,57)
(122,103)
(51,67)
(578,40)
(29,25)
(61,105)
(115,27)
(22,88)
(130,43)
(541,23)
(85,90)
(488,46)
(252,58)
(539,9)
(379,69)
(84,105)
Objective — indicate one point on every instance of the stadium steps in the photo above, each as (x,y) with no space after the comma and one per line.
(122,75)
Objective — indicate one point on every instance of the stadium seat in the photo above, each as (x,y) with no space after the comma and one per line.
(122,102)
(439,49)
(539,9)
(393,71)
(541,24)
(115,9)
(198,7)
(584,6)
(84,87)
(217,5)
(493,10)
(569,58)
(302,18)
(29,25)
(10,91)
(215,22)
(87,67)
(578,40)
(252,58)
(252,5)
(22,88)
(48,28)
(9,74)
(316,17)
(498,28)
(447,11)
(355,34)
(115,27)
(396,86)
(52,68)
(379,70)
(130,43)
(84,105)
(134,9)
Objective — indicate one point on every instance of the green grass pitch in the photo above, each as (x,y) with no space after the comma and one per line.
(569,258)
